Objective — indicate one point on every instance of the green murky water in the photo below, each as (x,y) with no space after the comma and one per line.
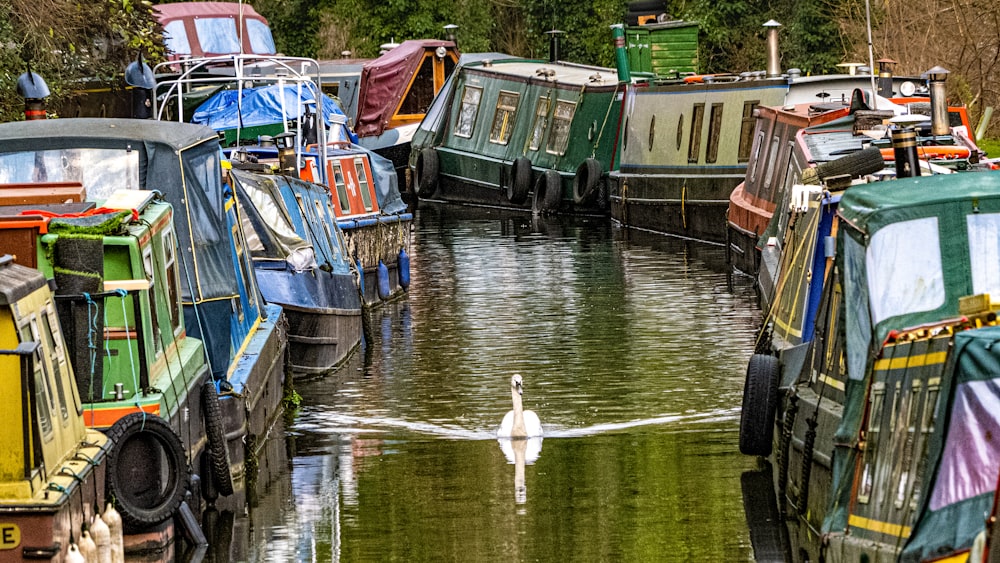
(632,348)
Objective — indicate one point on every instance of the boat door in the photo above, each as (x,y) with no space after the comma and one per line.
(353,190)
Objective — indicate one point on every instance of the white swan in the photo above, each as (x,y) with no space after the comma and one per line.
(519,423)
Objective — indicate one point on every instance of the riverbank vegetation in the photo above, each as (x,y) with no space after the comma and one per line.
(67,40)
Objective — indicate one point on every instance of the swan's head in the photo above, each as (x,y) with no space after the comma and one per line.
(516,384)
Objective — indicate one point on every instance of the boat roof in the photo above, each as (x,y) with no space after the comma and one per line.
(564,74)
(869,207)
(177,10)
(99,131)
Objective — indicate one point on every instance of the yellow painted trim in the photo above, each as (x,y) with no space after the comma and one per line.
(920,360)
(895,530)
(243,347)
(831,382)
(961,557)
(788,330)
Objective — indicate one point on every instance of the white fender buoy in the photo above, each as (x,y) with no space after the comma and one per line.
(114,522)
(102,537)
(88,549)
(74,555)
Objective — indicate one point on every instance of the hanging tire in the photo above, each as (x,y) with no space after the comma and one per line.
(215,431)
(548,193)
(855,165)
(760,399)
(588,175)
(147,474)
(426,174)
(520,181)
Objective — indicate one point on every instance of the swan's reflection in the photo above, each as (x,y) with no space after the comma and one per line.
(520,452)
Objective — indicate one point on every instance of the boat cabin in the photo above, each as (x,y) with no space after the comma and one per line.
(208,29)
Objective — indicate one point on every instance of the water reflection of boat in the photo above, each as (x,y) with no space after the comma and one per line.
(54,471)
(876,411)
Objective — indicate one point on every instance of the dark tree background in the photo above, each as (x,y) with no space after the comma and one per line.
(67,40)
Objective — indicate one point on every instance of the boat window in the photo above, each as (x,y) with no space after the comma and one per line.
(541,123)
(338,181)
(175,38)
(217,35)
(173,277)
(680,130)
(421,92)
(101,171)
(562,118)
(154,309)
(694,144)
(58,366)
(503,119)
(984,253)
(773,162)
(896,284)
(467,113)
(366,194)
(43,394)
(261,41)
(652,132)
(746,130)
(875,399)
(756,156)
(714,133)
(60,360)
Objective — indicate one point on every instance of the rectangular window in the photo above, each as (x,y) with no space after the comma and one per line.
(503,119)
(746,130)
(562,118)
(694,146)
(984,251)
(467,113)
(341,185)
(756,157)
(173,277)
(772,162)
(896,284)
(714,132)
(366,195)
(541,123)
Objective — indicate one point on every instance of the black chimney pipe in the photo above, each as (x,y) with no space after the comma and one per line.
(904,148)
(554,44)
(885,77)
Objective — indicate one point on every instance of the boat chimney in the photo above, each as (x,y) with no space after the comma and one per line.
(34,90)
(904,149)
(773,57)
(621,56)
(554,44)
(939,101)
(885,77)
(449,34)
(140,77)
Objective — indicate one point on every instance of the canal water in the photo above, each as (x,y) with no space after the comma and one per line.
(632,348)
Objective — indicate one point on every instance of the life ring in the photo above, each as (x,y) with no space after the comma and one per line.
(548,193)
(760,400)
(932,152)
(520,181)
(147,474)
(215,431)
(426,174)
(588,174)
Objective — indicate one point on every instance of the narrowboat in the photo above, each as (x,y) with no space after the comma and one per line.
(301,263)
(526,134)
(281,118)
(686,140)
(872,393)
(779,165)
(212,29)
(216,376)
(53,472)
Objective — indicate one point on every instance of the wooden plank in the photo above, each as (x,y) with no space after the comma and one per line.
(42,193)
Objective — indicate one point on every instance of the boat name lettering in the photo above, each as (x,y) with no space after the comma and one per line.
(10,536)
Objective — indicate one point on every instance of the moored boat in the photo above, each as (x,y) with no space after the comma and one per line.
(53,471)
(193,258)
(520,133)
(871,391)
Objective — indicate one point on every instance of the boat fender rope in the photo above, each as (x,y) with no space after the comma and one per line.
(807,454)
(56,487)
(67,471)
(788,424)
(84,457)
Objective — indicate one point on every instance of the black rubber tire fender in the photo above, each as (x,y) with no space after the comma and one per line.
(760,400)
(548,192)
(585,182)
(215,431)
(426,174)
(147,471)
(520,181)
(855,165)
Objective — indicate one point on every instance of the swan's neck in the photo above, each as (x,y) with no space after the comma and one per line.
(518,429)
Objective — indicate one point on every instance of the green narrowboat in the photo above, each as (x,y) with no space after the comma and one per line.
(518,133)
(879,409)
